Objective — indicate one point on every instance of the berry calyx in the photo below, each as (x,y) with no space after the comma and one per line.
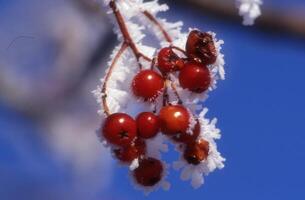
(187,138)
(147,84)
(169,61)
(195,77)
(119,129)
(174,119)
(196,152)
(128,153)
(149,172)
(148,125)
(201,46)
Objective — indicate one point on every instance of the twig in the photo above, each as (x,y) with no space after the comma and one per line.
(104,87)
(127,38)
(156,22)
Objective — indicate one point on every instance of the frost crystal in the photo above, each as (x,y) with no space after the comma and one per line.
(141,22)
(196,172)
(249,9)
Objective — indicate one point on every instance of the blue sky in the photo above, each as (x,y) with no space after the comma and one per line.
(261,112)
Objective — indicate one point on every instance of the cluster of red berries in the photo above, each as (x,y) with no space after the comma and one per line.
(128,136)
(194,74)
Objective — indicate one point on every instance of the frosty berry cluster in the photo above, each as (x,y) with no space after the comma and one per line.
(154,96)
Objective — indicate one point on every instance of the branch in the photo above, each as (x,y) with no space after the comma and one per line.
(288,21)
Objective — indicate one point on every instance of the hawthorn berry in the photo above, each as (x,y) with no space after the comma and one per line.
(195,77)
(148,125)
(187,138)
(128,153)
(119,129)
(169,61)
(149,172)
(174,119)
(196,152)
(147,84)
(201,46)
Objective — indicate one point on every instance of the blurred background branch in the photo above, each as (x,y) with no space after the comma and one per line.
(289,20)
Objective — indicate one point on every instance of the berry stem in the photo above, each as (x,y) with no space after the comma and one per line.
(169,40)
(127,38)
(174,88)
(157,23)
(179,49)
(163,31)
(104,87)
(165,93)
(153,63)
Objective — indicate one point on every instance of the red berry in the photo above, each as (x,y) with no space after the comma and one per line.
(201,46)
(174,119)
(147,84)
(128,153)
(196,152)
(119,129)
(169,61)
(195,77)
(148,125)
(187,138)
(149,172)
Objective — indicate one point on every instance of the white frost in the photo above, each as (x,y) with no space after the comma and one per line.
(196,173)
(249,9)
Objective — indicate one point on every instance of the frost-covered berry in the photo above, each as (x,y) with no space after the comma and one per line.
(128,153)
(196,152)
(149,172)
(148,125)
(148,84)
(169,61)
(195,77)
(174,119)
(119,129)
(201,46)
(187,138)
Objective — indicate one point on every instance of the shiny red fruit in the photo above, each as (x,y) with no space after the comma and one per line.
(201,46)
(119,129)
(195,77)
(148,125)
(128,153)
(187,138)
(149,172)
(147,84)
(174,119)
(169,61)
(196,152)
